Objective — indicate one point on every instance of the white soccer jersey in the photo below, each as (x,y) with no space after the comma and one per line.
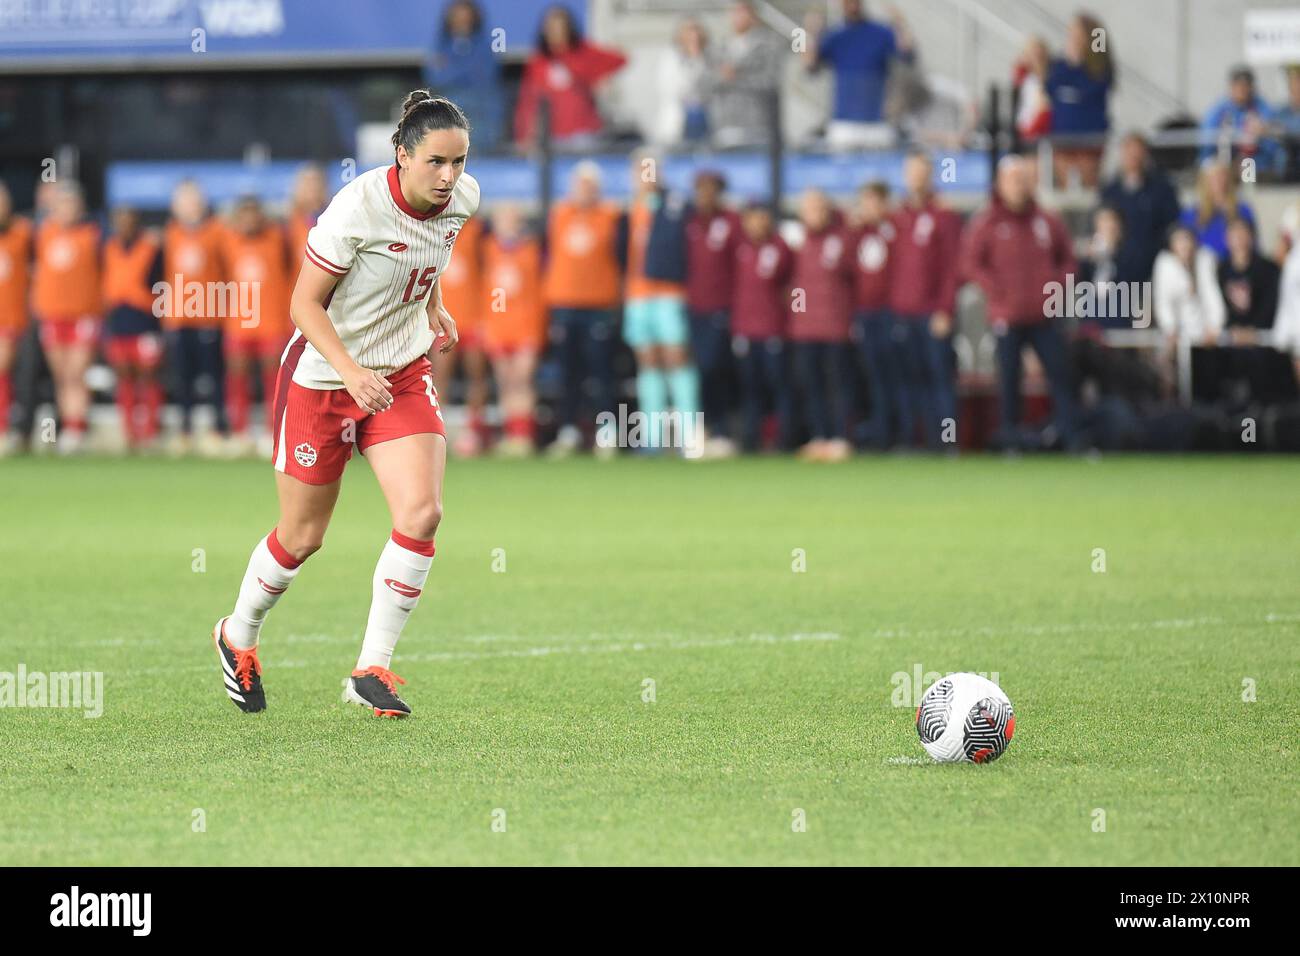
(387,257)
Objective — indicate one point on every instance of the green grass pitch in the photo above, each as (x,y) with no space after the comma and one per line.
(775,690)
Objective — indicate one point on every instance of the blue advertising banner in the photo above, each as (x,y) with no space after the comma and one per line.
(148,185)
(51,33)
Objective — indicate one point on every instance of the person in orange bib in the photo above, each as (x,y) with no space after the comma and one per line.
(307,200)
(15,277)
(465,297)
(132,334)
(515,322)
(256,255)
(583,288)
(66,301)
(194,273)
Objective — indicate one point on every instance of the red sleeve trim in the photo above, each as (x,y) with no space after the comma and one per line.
(320,261)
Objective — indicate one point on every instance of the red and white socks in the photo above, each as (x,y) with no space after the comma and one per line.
(271,570)
(399,578)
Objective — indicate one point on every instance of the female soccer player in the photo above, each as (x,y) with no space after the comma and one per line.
(368,311)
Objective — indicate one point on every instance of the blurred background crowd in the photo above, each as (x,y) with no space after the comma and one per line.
(826,227)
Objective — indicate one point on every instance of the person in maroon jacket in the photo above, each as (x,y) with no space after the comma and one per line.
(712,233)
(759,317)
(820,311)
(922,295)
(565,71)
(873,324)
(1016,251)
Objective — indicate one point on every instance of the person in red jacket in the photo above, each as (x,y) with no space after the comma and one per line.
(821,306)
(922,295)
(712,233)
(565,72)
(1016,251)
(759,316)
(873,324)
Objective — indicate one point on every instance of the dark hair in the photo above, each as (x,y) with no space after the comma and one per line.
(575,32)
(877,187)
(1110,209)
(444,30)
(422,112)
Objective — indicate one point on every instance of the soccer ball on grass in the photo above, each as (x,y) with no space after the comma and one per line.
(965,717)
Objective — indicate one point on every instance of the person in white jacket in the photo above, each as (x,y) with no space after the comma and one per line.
(1185,287)
(1286,326)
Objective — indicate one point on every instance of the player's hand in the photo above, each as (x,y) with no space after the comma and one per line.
(444,327)
(369,389)
(940,324)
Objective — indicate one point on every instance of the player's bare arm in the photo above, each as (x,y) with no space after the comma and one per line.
(368,388)
(441,322)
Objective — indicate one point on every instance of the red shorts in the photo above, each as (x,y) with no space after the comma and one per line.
(142,351)
(315,428)
(253,348)
(73,330)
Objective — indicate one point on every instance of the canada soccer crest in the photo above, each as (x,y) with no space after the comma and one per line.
(450,238)
(305,455)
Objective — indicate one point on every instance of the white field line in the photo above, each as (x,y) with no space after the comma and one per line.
(601,643)
(902,630)
(534,652)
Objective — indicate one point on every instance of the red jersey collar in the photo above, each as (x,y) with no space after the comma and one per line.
(395,187)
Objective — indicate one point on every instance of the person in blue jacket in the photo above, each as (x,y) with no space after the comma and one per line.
(463,67)
(1216,207)
(1079,84)
(1243,112)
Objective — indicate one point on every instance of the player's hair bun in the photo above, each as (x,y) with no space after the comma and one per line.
(422,112)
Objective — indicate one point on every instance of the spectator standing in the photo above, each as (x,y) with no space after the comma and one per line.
(744,82)
(565,71)
(1216,207)
(860,52)
(873,324)
(822,304)
(759,324)
(1079,84)
(1145,198)
(1019,253)
(1029,79)
(684,77)
(463,67)
(922,296)
(712,233)
(582,286)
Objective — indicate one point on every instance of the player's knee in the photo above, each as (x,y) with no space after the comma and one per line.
(422,520)
(303,542)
